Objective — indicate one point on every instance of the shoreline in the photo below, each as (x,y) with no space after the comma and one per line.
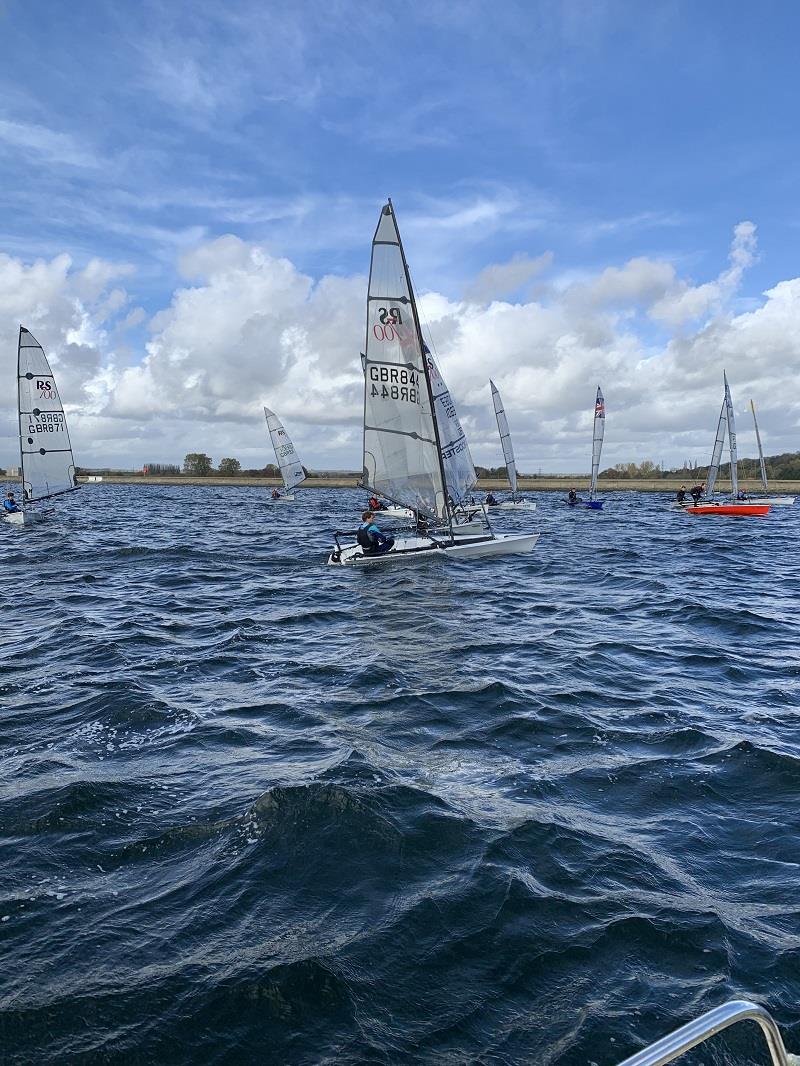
(535,484)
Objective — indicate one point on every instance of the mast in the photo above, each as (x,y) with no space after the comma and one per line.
(731,438)
(760,450)
(597,439)
(425,369)
(716,455)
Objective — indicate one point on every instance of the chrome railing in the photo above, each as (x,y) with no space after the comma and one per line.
(671,1047)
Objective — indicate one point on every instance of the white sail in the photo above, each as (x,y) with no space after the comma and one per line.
(729,418)
(459,470)
(716,455)
(505,438)
(48,467)
(764,483)
(597,439)
(402,459)
(287,458)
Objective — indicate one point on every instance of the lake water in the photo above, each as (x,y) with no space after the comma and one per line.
(538,809)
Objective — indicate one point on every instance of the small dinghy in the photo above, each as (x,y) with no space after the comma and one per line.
(516,503)
(415,450)
(48,466)
(286,457)
(764,497)
(597,447)
(734,505)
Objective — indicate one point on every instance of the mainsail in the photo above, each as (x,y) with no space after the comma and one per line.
(764,483)
(48,466)
(729,418)
(402,458)
(597,439)
(716,455)
(505,438)
(288,460)
(459,470)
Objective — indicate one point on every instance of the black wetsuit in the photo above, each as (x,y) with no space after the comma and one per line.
(372,541)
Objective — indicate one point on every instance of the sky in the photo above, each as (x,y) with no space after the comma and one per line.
(589,192)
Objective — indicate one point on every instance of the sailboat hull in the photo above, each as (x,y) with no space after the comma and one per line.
(735,510)
(395,512)
(283,499)
(23,518)
(511,505)
(772,501)
(417,549)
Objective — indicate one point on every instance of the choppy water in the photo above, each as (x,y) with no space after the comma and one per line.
(257,809)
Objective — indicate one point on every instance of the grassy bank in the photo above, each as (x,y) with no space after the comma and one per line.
(536,484)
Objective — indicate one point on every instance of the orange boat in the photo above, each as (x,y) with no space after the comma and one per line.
(738,510)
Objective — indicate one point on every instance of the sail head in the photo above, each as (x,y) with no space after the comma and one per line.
(401,447)
(48,466)
(286,457)
(505,437)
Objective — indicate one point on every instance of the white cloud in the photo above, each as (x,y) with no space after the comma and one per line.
(248,328)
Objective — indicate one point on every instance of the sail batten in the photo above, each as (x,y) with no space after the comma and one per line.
(402,459)
(762,464)
(505,438)
(597,439)
(48,465)
(286,457)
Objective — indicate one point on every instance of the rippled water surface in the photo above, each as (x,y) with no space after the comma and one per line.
(538,809)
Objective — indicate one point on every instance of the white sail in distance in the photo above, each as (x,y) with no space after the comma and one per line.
(286,457)
(731,423)
(402,459)
(505,437)
(597,439)
(48,466)
(762,464)
(459,470)
(716,455)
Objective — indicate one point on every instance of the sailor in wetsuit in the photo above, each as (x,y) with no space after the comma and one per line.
(696,491)
(10,505)
(490,500)
(572,496)
(372,541)
(681,497)
(375,504)
(275,494)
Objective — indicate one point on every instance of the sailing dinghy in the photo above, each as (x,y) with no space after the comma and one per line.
(597,446)
(48,466)
(516,503)
(404,460)
(733,506)
(286,457)
(765,497)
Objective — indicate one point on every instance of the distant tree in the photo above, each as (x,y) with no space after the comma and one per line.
(197,464)
(229,467)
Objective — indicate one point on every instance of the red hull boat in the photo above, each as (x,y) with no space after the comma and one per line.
(738,510)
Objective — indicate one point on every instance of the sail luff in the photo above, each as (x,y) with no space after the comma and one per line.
(729,414)
(716,455)
(597,439)
(505,437)
(762,464)
(288,460)
(402,447)
(46,459)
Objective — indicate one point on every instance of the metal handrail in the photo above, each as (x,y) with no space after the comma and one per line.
(672,1046)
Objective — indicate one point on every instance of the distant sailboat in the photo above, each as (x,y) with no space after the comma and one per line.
(48,466)
(773,501)
(286,457)
(404,457)
(733,505)
(599,429)
(515,503)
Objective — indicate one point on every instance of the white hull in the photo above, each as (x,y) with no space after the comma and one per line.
(282,499)
(511,505)
(771,501)
(23,518)
(394,512)
(415,549)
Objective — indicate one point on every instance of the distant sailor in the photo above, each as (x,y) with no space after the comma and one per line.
(10,505)
(696,491)
(490,500)
(681,497)
(375,504)
(572,496)
(372,541)
(275,494)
